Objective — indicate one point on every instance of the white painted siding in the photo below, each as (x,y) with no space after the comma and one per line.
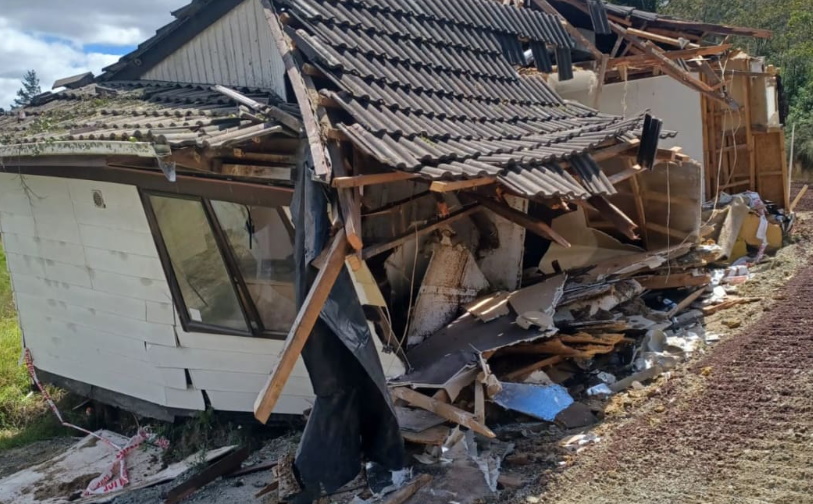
(237,50)
(95,305)
(678,106)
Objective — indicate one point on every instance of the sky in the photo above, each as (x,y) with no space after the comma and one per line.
(62,38)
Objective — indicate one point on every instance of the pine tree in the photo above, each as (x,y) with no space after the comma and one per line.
(30,89)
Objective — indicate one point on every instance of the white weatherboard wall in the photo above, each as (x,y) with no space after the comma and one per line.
(236,50)
(95,306)
(676,105)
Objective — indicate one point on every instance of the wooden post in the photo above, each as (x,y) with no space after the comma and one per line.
(612,213)
(293,66)
(302,327)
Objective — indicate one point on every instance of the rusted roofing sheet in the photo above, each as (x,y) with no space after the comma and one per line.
(431,87)
(159,112)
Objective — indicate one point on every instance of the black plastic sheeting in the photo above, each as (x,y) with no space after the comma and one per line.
(353,419)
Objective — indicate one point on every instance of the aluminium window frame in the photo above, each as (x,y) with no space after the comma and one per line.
(248,307)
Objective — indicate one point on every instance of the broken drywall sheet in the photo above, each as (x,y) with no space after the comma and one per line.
(417,420)
(64,477)
(490,307)
(588,246)
(541,297)
(538,401)
(451,280)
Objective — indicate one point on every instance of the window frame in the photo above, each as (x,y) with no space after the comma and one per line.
(251,315)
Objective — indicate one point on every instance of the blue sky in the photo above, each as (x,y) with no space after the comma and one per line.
(60,39)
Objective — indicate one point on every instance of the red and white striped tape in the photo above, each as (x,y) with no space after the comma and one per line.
(116,476)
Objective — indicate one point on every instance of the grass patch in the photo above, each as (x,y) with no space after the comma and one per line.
(24,417)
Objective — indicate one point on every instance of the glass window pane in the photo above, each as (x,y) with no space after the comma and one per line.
(263,249)
(205,284)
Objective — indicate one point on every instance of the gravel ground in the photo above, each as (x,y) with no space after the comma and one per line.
(734,426)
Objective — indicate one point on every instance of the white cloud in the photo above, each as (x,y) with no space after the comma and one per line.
(57,39)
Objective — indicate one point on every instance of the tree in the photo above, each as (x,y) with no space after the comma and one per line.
(30,89)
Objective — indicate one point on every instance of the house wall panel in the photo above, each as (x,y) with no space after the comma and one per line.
(236,50)
(99,310)
(236,401)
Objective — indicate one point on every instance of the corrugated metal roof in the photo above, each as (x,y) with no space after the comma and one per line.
(431,87)
(159,112)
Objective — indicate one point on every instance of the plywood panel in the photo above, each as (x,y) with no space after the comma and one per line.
(36,246)
(124,263)
(225,343)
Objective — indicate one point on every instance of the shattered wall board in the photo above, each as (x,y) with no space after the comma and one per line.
(588,246)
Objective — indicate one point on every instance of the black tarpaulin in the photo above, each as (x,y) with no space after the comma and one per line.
(353,418)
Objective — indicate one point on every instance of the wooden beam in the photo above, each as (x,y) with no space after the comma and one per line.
(447,411)
(797,199)
(456,185)
(280,115)
(255,171)
(293,65)
(625,174)
(227,464)
(639,206)
(575,33)
(536,226)
(614,150)
(373,179)
(660,38)
(614,215)
(673,281)
(643,59)
(374,250)
(406,492)
(691,298)
(670,68)
(302,327)
(349,200)
(289,159)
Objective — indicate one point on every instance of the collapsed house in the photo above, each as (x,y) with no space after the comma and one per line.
(281,206)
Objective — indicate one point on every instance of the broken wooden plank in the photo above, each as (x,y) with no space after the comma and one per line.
(673,70)
(406,492)
(691,298)
(617,218)
(373,179)
(293,65)
(456,185)
(663,39)
(268,489)
(536,226)
(434,436)
(283,117)
(797,199)
(729,303)
(302,327)
(673,281)
(251,470)
(227,464)
(374,250)
(645,59)
(522,373)
(447,411)
(349,201)
(625,174)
